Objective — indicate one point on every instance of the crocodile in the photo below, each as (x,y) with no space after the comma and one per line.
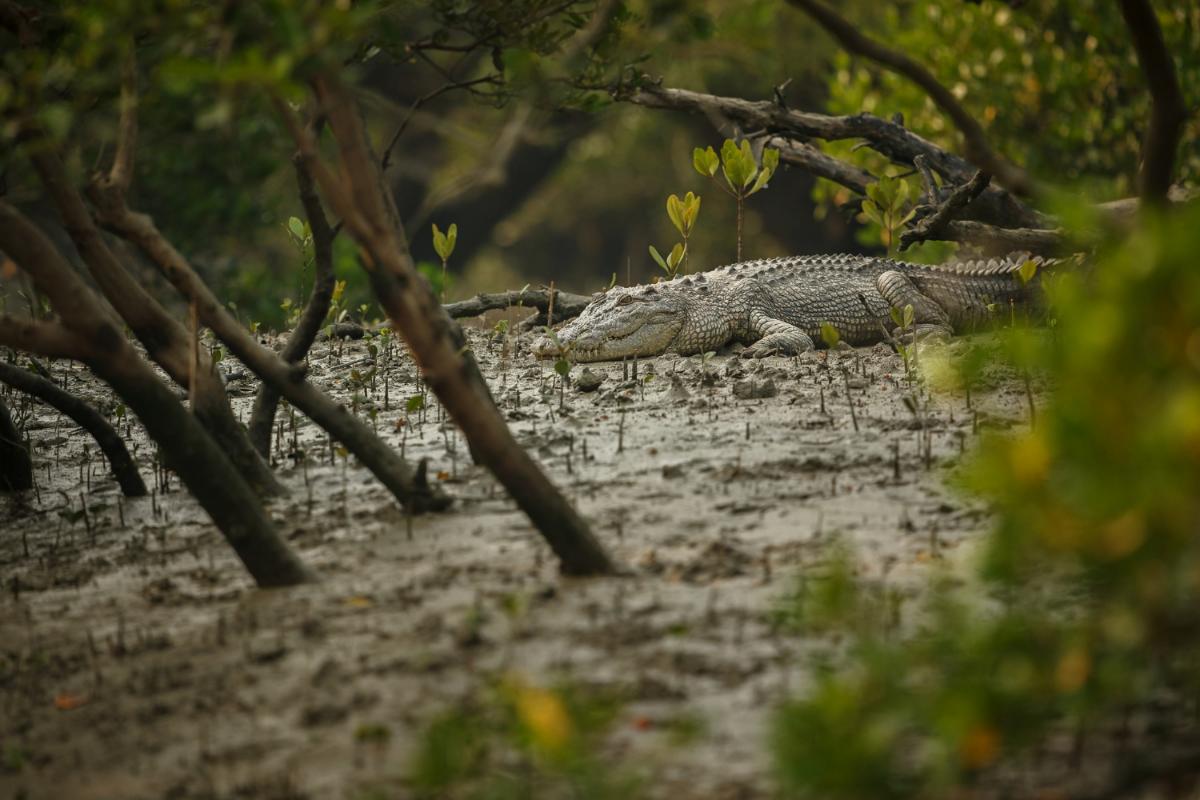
(777,306)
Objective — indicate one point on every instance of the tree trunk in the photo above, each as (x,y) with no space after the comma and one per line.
(16,467)
(363,202)
(166,340)
(95,337)
(287,379)
(88,418)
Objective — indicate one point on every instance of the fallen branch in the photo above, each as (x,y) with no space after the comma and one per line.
(566,304)
(821,164)
(88,418)
(890,139)
(933,226)
(978,150)
(1039,241)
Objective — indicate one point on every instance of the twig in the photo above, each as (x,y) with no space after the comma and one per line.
(932,226)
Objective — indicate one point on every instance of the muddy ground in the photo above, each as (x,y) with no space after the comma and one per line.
(137,660)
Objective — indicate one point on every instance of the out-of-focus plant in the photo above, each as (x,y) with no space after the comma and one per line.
(444,243)
(1094,556)
(743,175)
(887,206)
(519,739)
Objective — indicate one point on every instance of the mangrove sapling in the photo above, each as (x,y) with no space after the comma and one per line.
(444,243)
(743,175)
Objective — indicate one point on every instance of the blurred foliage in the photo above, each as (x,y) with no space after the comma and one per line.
(517,739)
(1094,564)
(1055,83)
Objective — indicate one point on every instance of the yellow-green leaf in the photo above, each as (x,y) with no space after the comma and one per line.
(658,259)
(676,211)
(705,161)
(1027,271)
(830,335)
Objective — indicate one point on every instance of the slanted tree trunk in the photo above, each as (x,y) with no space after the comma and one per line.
(108,193)
(16,467)
(166,340)
(89,333)
(361,199)
(88,418)
(288,379)
(262,419)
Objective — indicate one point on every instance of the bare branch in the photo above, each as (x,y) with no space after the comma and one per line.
(1040,241)
(821,164)
(978,150)
(1168,112)
(107,439)
(422,100)
(933,225)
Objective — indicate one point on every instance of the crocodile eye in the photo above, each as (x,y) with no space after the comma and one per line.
(625,300)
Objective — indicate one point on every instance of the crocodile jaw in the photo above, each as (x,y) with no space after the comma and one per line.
(625,323)
(648,339)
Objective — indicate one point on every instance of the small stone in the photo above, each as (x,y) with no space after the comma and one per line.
(753,389)
(589,381)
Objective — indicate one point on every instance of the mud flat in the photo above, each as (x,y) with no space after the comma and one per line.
(137,661)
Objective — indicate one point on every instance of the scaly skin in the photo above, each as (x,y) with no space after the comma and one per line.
(777,306)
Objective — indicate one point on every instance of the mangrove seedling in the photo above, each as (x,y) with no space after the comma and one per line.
(444,243)
(743,175)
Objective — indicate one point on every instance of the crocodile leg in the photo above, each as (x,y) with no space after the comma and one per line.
(930,320)
(777,337)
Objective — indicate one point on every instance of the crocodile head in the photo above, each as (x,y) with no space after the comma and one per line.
(621,323)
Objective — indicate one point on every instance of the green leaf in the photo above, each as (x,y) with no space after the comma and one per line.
(1027,271)
(296,228)
(705,161)
(691,210)
(675,258)
(439,243)
(658,258)
(770,159)
(897,316)
(562,367)
(738,164)
(909,315)
(871,211)
(830,335)
(761,182)
(451,238)
(675,210)
(414,404)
